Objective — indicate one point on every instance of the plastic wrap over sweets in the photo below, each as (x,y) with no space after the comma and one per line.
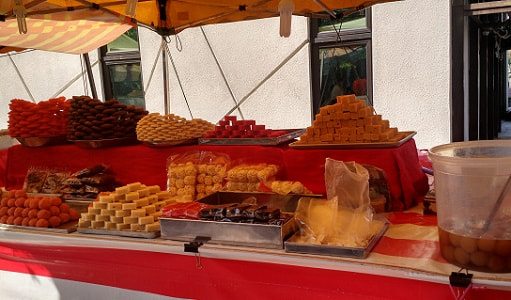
(196,174)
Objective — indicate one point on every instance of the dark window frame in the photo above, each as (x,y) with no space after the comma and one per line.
(328,39)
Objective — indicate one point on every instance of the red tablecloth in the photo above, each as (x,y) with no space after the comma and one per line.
(148,165)
(3,167)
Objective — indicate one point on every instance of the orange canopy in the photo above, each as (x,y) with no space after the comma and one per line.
(79,26)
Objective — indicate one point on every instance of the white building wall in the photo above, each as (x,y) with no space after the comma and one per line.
(411,67)
(410,71)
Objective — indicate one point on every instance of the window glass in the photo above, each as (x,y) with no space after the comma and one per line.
(352,21)
(126,81)
(343,71)
(126,42)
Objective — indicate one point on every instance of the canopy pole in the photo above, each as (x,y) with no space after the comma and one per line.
(166,79)
(90,75)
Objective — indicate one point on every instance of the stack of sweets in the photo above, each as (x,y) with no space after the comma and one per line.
(230,127)
(155,128)
(133,207)
(349,121)
(189,181)
(248,178)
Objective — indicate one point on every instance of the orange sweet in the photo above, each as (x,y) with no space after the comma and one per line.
(64,217)
(4,201)
(20,193)
(43,214)
(19,202)
(32,213)
(34,203)
(64,207)
(11,202)
(3,211)
(10,211)
(26,203)
(24,212)
(10,220)
(42,223)
(54,221)
(45,203)
(18,211)
(54,210)
(3,219)
(74,214)
(56,201)
(25,221)
(32,222)
(17,220)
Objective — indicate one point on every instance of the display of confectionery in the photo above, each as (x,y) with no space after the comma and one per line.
(349,121)
(16,208)
(248,178)
(195,175)
(42,119)
(85,184)
(245,212)
(231,127)
(155,128)
(91,119)
(132,207)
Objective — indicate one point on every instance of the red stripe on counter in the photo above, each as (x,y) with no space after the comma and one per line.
(409,248)
(412,218)
(177,275)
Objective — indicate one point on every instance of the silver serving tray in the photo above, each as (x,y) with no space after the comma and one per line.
(236,234)
(94,144)
(291,245)
(288,136)
(171,143)
(36,141)
(409,135)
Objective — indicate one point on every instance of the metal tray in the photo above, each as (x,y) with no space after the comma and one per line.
(409,135)
(64,228)
(36,141)
(288,136)
(236,234)
(125,233)
(165,144)
(297,247)
(94,144)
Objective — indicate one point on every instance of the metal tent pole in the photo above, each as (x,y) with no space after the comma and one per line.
(90,75)
(166,79)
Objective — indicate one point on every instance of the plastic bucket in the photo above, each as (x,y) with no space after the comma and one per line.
(469,178)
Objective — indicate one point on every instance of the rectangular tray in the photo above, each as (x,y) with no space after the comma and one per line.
(64,228)
(235,234)
(296,247)
(409,135)
(125,233)
(288,136)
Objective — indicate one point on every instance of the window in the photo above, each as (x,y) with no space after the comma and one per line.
(121,69)
(341,58)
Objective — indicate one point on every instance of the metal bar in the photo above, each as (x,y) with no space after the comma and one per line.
(288,58)
(152,72)
(222,72)
(90,75)
(325,8)
(178,79)
(67,85)
(486,8)
(21,78)
(165,77)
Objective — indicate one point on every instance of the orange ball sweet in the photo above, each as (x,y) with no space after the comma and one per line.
(32,213)
(74,214)
(45,203)
(20,193)
(64,217)
(26,203)
(43,214)
(19,202)
(4,201)
(25,221)
(56,201)
(54,210)
(10,220)
(11,202)
(3,219)
(17,221)
(18,211)
(42,223)
(10,211)
(64,207)
(25,211)
(3,211)
(54,221)
(34,202)
(32,222)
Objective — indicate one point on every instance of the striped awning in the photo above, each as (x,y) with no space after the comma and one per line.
(78,26)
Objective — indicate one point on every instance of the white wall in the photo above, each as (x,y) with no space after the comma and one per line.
(411,64)
(411,67)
